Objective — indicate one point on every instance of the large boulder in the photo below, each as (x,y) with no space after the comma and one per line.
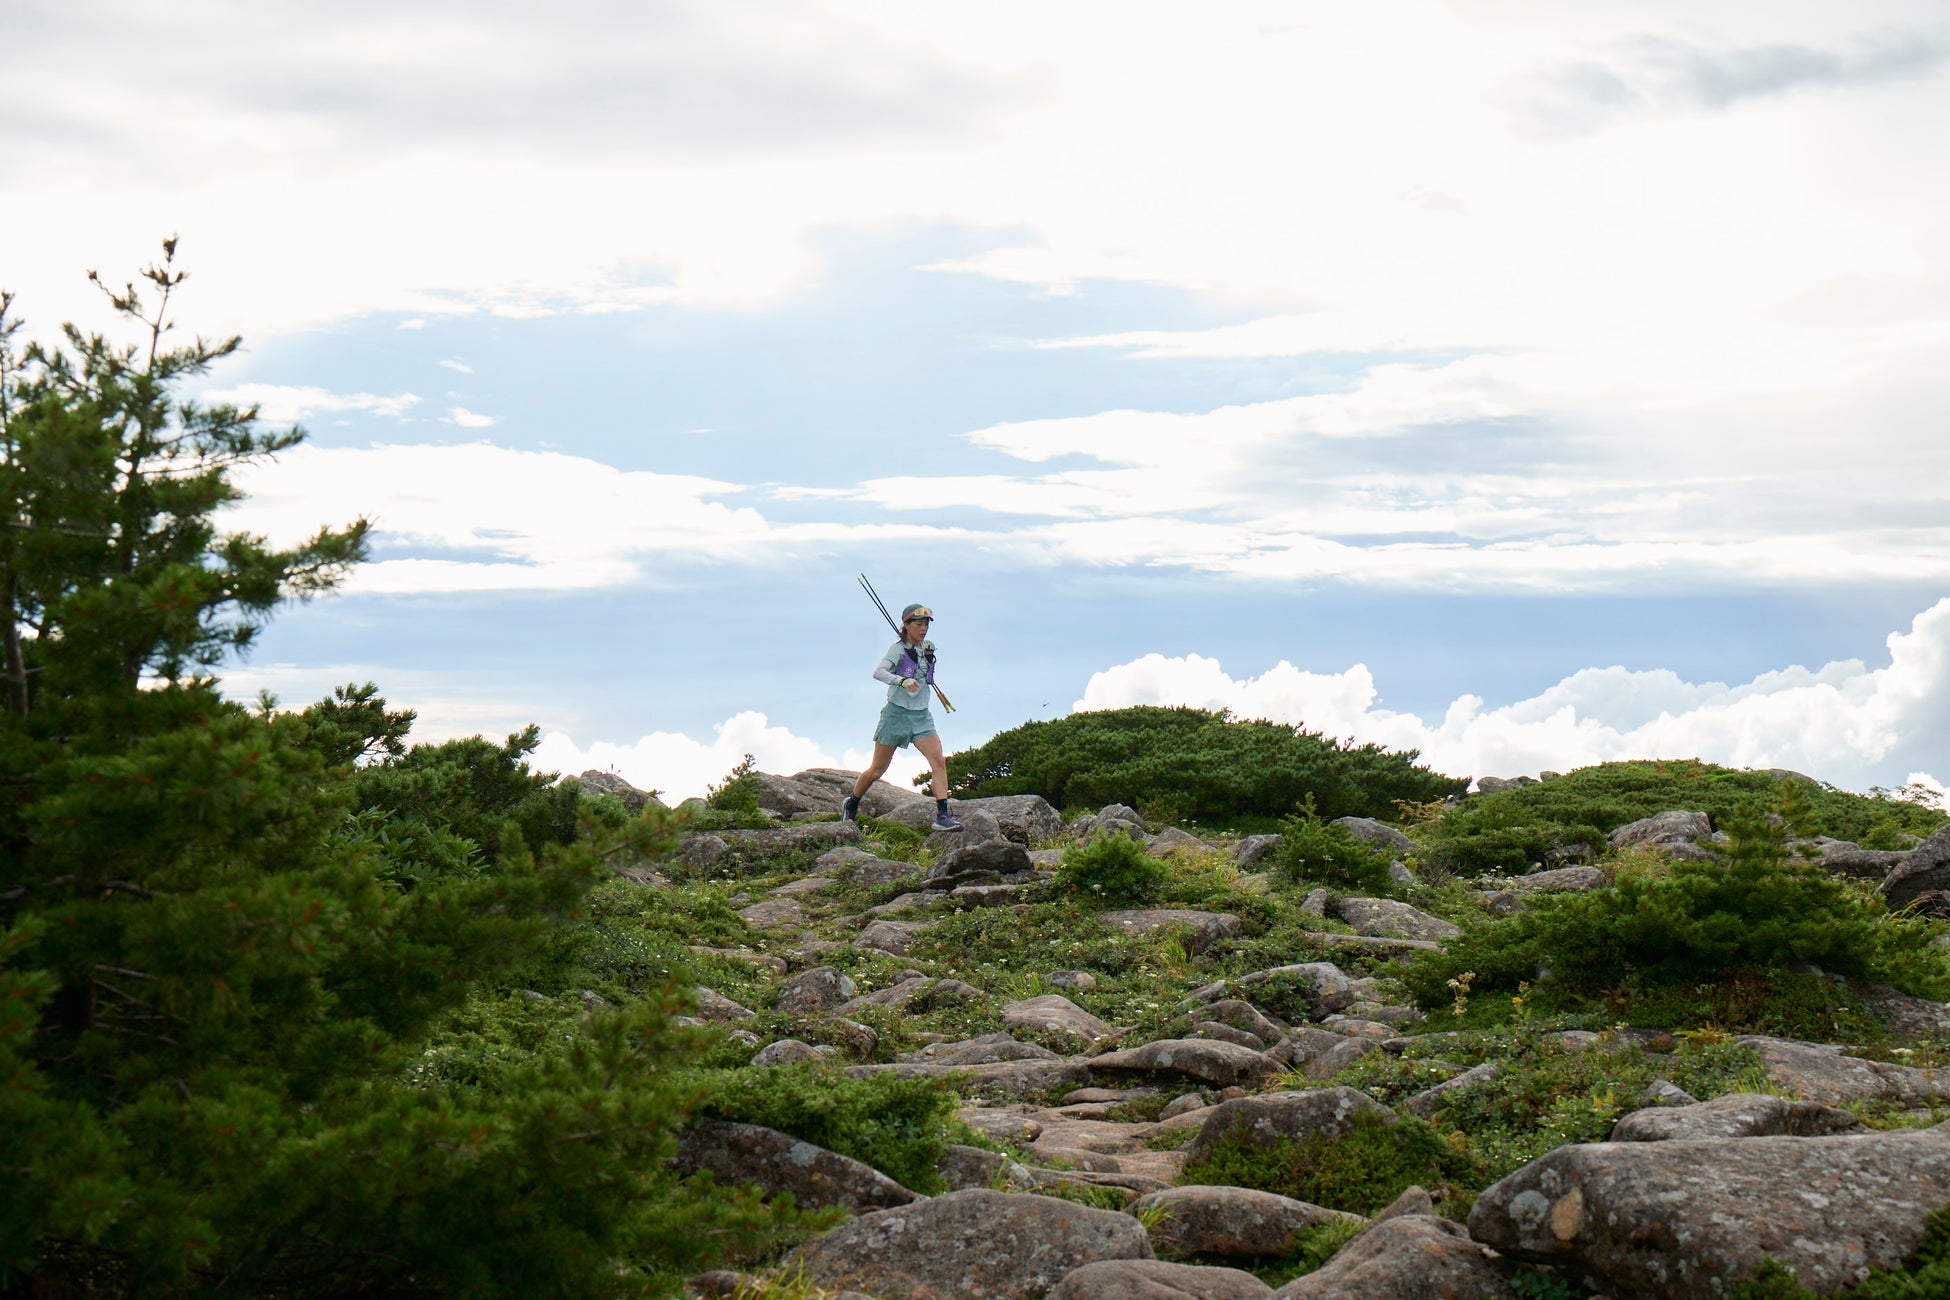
(1425,1102)
(1841,858)
(1279,1117)
(1736,1115)
(1207,1060)
(891,937)
(1252,850)
(1022,819)
(1384,918)
(1325,986)
(1157,1279)
(1924,870)
(1237,1222)
(1819,1072)
(1693,1219)
(1052,1013)
(1561,880)
(880,799)
(970,1243)
(739,1154)
(596,782)
(713,1005)
(1373,832)
(784,796)
(1017,1080)
(1241,1014)
(804,835)
(812,992)
(1665,830)
(986,1050)
(988,863)
(1200,929)
(1409,1257)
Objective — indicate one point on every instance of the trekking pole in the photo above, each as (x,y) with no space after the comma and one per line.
(900,634)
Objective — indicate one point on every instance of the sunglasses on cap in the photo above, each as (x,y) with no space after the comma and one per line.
(920,616)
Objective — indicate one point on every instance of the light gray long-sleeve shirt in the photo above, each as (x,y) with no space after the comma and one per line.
(887,670)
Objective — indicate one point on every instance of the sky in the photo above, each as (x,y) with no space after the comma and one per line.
(1528,384)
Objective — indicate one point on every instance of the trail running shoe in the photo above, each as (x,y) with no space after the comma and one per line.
(850,809)
(947,822)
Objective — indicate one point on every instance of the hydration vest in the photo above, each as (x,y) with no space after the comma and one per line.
(910,665)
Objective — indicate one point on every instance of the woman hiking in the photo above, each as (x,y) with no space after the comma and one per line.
(908,670)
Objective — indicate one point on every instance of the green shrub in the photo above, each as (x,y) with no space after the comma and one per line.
(1754,905)
(1320,853)
(1191,765)
(738,792)
(1360,1171)
(899,1126)
(1112,869)
(1510,830)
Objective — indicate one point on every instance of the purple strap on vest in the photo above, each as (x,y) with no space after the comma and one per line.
(909,666)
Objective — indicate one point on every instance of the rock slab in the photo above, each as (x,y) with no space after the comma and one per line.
(739,1154)
(1155,1279)
(1412,1257)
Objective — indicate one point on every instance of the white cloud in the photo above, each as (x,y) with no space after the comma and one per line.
(1845,723)
(477,517)
(680,766)
(461,366)
(280,402)
(467,419)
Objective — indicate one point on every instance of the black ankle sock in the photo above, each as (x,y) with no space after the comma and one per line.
(941,807)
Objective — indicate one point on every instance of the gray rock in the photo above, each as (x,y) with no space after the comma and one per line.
(880,799)
(812,992)
(872,873)
(803,836)
(1184,1105)
(1022,819)
(1664,1092)
(949,1245)
(701,852)
(1052,1013)
(1424,1103)
(1172,840)
(891,937)
(1925,870)
(1693,1219)
(905,903)
(765,961)
(1071,979)
(1211,1062)
(784,796)
(1376,947)
(1373,832)
(1399,873)
(834,861)
(805,885)
(1841,858)
(1666,828)
(1410,1257)
(773,913)
(1315,903)
(1413,1201)
(966,896)
(1013,1080)
(599,783)
(856,1039)
(1252,850)
(1327,1063)
(1902,1013)
(790,1051)
(1201,929)
(1498,784)
(963,1167)
(1241,1014)
(1384,918)
(1562,880)
(713,1005)
(987,863)
(1224,1033)
(1735,1115)
(1276,1117)
(1156,1279)
(1822,1073)
(1324,985)
(986,1050)
(1236,1222)
(739,1154)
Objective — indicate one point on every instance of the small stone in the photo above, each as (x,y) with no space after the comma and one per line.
(790,1051)
(1071,979)
(814,991)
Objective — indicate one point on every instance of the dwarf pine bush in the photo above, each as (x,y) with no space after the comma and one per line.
(1112,869)
(1316,852)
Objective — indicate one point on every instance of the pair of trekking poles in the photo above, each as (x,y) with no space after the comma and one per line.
(900,634)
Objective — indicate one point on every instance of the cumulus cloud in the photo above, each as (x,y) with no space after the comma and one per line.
(681,766)
(1845,722)
(467,419)
(478,517)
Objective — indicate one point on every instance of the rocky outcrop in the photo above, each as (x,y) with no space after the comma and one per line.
(1425,1102)
(713,1005)
(1819,1072)
(1052,1013)
(1206,1060)
(1252,850)
(1677,832)
(742,1154)
(1324,985)
(1200,929)
(1735,1115)
(986,1050)
(1373,832)
(949,1245)
(600,783)
(1561,880)
(1234,1222)
(1691,1220)
(791,1051)
(1409,1257)
(804,835)
(1384,918)
(891,937)
(1157,1279)
(813,992)
(880,799)
(988,863)
(1924,870)
(1022,819)
(1277,1117)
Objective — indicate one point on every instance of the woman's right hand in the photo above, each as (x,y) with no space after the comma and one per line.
(910,685)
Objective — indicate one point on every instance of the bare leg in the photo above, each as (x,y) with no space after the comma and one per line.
(883,756)
(930,747)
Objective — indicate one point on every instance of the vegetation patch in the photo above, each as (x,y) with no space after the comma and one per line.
(1361,1170)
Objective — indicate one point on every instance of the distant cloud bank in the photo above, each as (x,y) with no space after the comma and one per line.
(1845,723)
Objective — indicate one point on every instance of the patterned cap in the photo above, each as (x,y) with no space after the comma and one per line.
(916,612)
